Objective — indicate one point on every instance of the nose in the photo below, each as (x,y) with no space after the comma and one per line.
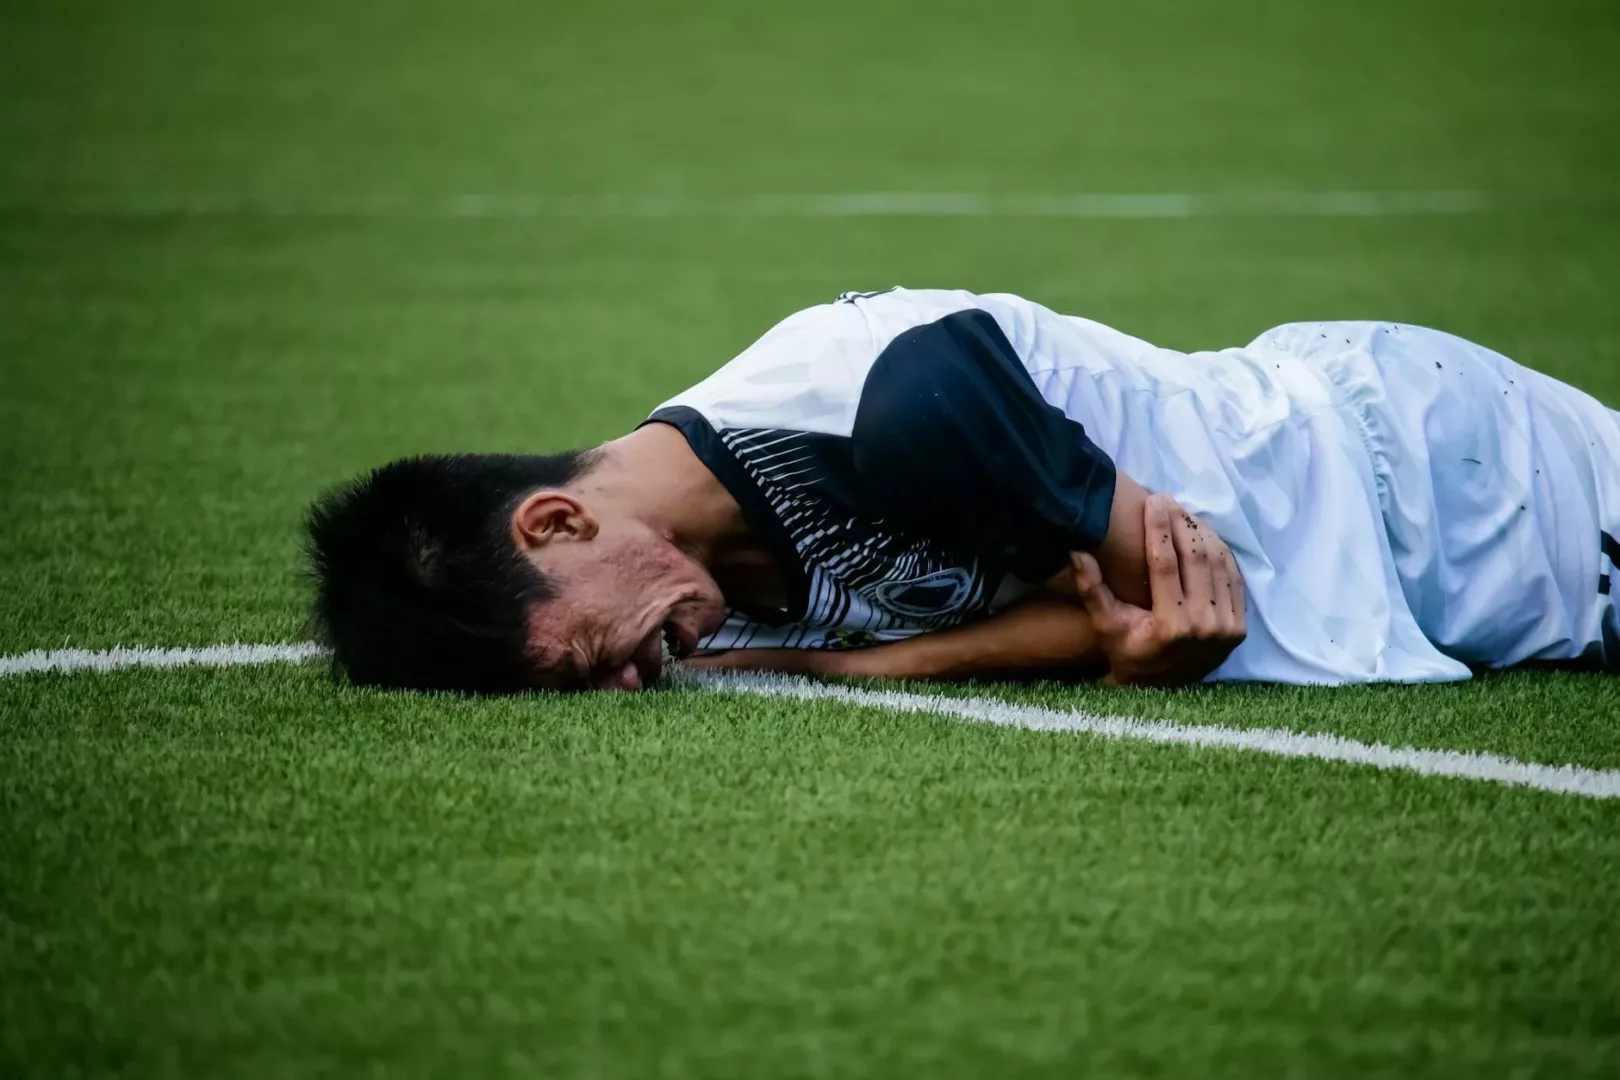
(626,678)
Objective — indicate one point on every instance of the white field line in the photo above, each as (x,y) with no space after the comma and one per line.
(138,656)
(961,204)
(1468,765)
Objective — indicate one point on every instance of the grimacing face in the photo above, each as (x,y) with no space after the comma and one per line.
(627,601)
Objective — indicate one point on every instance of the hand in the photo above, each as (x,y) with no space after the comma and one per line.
(1197,617)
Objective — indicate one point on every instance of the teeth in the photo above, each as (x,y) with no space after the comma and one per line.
(666,650)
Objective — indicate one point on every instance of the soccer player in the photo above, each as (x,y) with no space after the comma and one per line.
(939,484)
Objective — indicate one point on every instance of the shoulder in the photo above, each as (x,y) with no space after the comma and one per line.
(807,372)
(797,376)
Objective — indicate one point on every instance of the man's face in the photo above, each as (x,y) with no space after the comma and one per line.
(623,593)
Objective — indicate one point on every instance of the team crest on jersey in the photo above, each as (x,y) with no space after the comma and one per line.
(939,593)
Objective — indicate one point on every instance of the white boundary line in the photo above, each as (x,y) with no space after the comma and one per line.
(959,204)
(1465,764)
(1468,765)
(139,656)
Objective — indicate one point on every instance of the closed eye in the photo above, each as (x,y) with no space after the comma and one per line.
(560,670)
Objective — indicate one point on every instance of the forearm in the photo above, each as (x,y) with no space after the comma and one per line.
(1047,635)
(1075,627)
(1041,637)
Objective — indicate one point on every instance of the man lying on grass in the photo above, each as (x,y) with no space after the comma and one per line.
(928,484)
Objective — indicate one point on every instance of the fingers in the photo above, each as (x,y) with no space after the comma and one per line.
(1211,582)
(1164,568)
(1220,581)
(1239,602)
(1097,598)
(1226,583)
(1197,581)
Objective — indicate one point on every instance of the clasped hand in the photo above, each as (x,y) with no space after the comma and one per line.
(1197,617)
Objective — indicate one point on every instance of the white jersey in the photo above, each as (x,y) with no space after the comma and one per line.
(924,455)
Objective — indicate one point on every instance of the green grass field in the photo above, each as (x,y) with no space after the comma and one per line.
(236,266)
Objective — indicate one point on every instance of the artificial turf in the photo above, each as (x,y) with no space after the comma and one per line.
(224,285)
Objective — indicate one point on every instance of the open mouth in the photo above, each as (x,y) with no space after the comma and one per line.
(671,646)
(675,643)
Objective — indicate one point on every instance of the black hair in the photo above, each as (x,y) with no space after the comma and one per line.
(418,582)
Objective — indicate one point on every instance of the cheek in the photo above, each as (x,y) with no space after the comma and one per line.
(622,577)
(552,627)
(673,566)
(615,593)
(635,567)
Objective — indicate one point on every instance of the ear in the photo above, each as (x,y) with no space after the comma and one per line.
(551,515)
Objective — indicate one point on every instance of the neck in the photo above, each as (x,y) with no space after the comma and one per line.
(653,475)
